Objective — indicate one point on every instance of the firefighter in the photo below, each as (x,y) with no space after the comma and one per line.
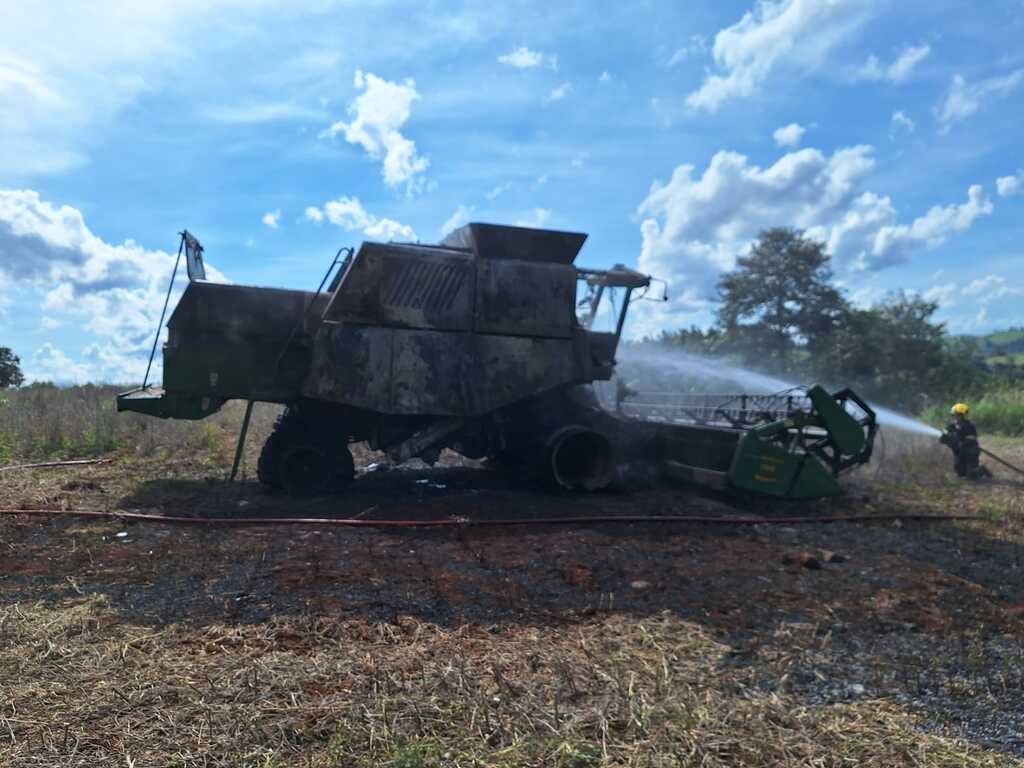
(962,438)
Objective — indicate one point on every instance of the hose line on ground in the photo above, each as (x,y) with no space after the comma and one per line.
(458,522)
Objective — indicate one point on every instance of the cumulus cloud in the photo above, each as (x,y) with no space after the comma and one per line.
(457,219)
(272,218)
(604,78)
(789,135)
(537,218)
(349,214)
(988,299)
(693,227)
(1008,186)
(964,98)
(114,292)
(524,58)
(378,113)
(797,33)
(899,70)
(560,92)
(48,363)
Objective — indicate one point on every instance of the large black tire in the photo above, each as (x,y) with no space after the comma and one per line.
(297,460)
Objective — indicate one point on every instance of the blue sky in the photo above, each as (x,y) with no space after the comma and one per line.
(670,132)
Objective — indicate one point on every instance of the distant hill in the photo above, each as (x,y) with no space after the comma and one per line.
(1008,343)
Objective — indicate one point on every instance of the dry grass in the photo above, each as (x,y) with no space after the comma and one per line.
(44,421)
(912,472)
(334,649)
(84,689)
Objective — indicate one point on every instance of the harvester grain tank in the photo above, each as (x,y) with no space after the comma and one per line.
(484,344)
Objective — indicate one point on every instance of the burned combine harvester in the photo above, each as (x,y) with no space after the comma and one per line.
(481,345)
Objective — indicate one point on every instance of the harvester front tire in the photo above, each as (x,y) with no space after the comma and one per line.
(295,461)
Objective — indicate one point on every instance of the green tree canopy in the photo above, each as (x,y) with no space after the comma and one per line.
(897,354)
(10,369)
(780,295)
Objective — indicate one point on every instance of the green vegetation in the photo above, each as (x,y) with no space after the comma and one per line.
(43,421)
(1011,339)
(998,410)
(10,369)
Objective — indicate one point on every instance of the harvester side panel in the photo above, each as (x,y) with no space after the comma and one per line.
(232,341)
(521,298)
(410,372)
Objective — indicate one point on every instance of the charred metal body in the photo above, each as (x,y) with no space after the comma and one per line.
(474,344)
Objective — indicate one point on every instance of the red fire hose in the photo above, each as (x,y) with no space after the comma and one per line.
(449,522)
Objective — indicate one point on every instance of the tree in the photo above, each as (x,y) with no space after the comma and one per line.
(780,295)
(895,353)
(10,369)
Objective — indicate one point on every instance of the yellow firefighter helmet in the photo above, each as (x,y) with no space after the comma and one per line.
(960,409)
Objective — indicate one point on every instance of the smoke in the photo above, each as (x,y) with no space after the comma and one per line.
(686,372)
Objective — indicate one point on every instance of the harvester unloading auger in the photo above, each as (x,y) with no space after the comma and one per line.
(480,345)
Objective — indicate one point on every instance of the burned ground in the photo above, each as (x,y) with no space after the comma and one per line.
(661,644)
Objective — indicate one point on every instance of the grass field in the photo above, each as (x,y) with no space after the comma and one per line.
(1000,411)
(677,645)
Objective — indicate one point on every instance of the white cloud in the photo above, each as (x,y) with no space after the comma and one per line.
(579,159)
(978,300)
(798,33)
(605,77)
(62,80)
(789,135)
(16,74)
(272,218)
(457,219)
(907,61)
(349,214)
(500,189)
(560,92)
(694,227)
(900,120)
(114,292)
(537,219)
(944,295)
(964,98)
(47,323)
(524,58)
(542,179)
(989,287)
(695,46)
(1008,186)
(48,363)
(379,112)
(900,69)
